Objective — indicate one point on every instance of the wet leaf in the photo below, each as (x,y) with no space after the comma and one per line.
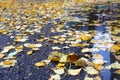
(19,48)
(82,62)
(92,78)
(91,71)
(12,54)
(85,37)
(55,77)
(115,47)
(56,48)
(115,65)
(59,70)
(30,52)
(98,61)
(1,55)
(74,72)
(98,56)
(40,64)
(31,45)
(7,48)
(118,71)
(8,63)
(72,57)
(63,58)
(61,65)
(55,56)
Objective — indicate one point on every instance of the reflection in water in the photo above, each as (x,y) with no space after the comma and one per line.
(102,37)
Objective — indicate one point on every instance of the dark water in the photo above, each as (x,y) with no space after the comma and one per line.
(25,69)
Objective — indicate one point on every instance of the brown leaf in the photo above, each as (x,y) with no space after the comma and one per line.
(72,57)
(81,62)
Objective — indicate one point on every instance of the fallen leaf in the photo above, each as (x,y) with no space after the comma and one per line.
(40,64)
(58,70)
(55,77)
(55,56)
(74,72)
(92,78)
(63,58)
(8,63)
(72,57)
(29,52)
(61,65)
(12,54)
(91,70)
(19,48)
(7,48)
(98,61)
(115,65)
(82,62)
(97,56)
(1,55)
(118,71)
(56,48)
(31,45)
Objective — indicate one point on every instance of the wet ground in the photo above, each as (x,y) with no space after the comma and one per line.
(25,69)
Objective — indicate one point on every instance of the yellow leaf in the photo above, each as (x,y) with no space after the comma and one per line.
(74,72)
(29,52)
(40,64)
(1,55)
